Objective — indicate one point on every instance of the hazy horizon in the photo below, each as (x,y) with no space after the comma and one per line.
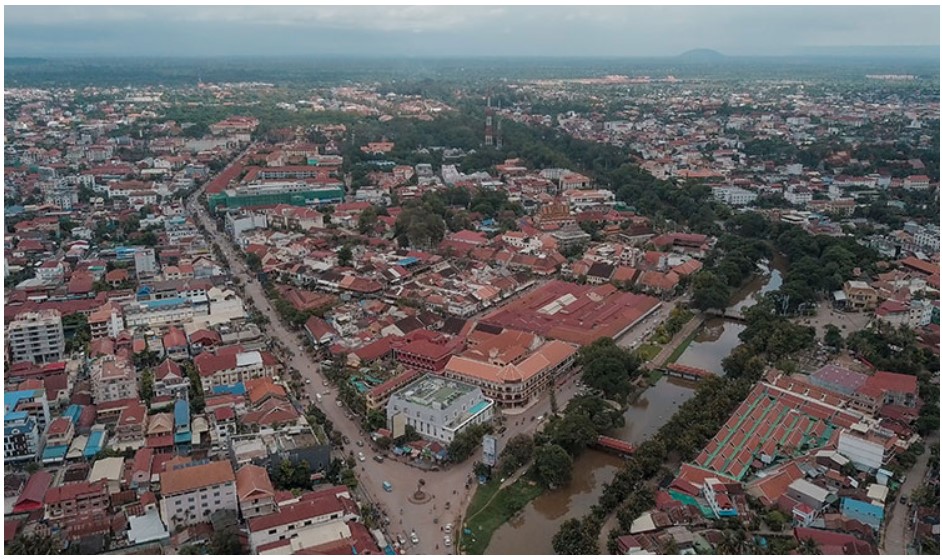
(464,32)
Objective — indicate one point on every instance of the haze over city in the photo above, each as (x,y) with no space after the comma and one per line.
(633,31)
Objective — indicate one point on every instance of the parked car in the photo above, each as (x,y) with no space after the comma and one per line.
(447,541)
(387,487)
(414,537)
(378,458)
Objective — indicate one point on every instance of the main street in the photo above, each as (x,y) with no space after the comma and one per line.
(897,536)
(446,485)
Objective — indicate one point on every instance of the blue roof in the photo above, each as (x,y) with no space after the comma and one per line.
(408,261)
(237,389)
(96,441)
(181,413)
(73,413)
(14,210)
(15,415)
(183,438)
(12,399)
(55,452)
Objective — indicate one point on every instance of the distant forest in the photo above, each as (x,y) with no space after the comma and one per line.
(327,71)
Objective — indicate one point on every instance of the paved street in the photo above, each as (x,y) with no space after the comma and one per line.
(897,535)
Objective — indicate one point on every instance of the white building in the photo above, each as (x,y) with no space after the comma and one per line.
(236,225)
(159,312)
(320,518)
(190,493)
(36,337)
(438,408)
(734,196)
(868,449)
(798,196)
(580,200)
(145,262)
(927,237)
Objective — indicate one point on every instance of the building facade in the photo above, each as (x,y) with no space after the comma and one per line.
(438,408)
(37,337)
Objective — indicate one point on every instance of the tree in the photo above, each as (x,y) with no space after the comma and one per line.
(832,337)
(552,466)
(34,544)
(575,538)
(466,442)
(146,358)
(147,386)
(253,261)
(710,291)
(517,452)
(225,542)
(366,223)
(344,256)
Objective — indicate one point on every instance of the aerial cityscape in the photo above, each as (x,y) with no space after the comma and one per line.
(436,280)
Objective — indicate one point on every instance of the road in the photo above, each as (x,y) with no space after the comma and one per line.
(637,335)
(896,536)
(446,485)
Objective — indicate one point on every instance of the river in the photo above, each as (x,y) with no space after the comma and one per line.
(532,530)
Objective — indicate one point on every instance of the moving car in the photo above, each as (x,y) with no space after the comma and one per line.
(378,458)
(414,537)
(387,487)
(361,456)
(447,541)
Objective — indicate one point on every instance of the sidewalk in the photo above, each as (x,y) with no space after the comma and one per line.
(678,339)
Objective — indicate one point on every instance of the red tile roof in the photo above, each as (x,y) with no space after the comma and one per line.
(34,493)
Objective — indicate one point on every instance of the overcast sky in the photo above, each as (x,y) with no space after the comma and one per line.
(457,31)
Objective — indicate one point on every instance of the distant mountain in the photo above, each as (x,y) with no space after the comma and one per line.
(702,55)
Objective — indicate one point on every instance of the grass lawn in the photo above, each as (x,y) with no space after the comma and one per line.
(682,347)
(653,377)
(648,352)
(490,508)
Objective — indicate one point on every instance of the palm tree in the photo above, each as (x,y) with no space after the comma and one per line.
(733,543)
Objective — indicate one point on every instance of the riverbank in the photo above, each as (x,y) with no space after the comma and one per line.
(491,507)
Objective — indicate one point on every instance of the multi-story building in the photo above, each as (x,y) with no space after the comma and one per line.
(71,503)
(228,366)
(927,237)
(190,493)
(317,518)
(860,295)
(512,374)
(113,378)
(20,437)
(734,196)
(869,448)
(158,312)
(106,321)
(36,336)
(580,200)
(171,381)
(438,408)
(145,262)
(297,193)
(425,350)
(378,396)
(255,491)
(25,417)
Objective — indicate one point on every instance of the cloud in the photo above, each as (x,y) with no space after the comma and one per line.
(459,30)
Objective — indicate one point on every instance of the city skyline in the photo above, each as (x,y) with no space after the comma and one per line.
(419,31)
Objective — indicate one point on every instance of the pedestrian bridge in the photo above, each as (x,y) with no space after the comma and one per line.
(687,373)
(615,445)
